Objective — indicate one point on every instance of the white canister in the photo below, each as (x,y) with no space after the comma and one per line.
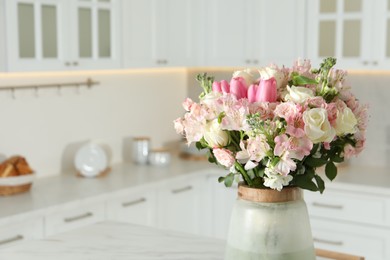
(141,148)
(159,157)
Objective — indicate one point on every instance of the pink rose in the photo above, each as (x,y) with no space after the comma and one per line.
(224,157)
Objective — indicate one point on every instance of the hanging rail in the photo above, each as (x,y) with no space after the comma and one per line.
(89,83)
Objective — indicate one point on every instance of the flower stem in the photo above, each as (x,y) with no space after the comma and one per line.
(243,173)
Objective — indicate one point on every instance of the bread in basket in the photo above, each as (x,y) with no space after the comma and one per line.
(16,176)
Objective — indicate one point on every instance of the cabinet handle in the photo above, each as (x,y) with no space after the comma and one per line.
(329,206)
(75,63)
(329,242)
(256,61)
(247,61)
(134,202)
(12,239)
(184,189)
(375,62)
(75,218)
(165,61)
(159,61)
(67,63)
(365,62)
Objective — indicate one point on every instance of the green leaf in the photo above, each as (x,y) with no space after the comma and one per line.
(229,180)
(221,179)
(315,162)
(306,182)
(331,170)
(299,80)
(320,183)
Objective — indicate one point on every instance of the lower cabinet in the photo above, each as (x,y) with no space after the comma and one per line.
(179,204)
(136,207)
(371,242)
(19,231)
(72,217)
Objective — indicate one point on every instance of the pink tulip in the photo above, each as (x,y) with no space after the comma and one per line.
(238,87)
(216,86)
(252,90)
(225,87)
(267,91)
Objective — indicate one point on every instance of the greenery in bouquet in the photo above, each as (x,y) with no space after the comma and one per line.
(274,127)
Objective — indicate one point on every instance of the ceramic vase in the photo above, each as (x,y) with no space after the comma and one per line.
(269,225)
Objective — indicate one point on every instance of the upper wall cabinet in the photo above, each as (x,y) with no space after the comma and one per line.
(62,35)
(356,32)
(161,33)
(254,32)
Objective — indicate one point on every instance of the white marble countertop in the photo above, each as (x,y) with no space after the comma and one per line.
(115,241)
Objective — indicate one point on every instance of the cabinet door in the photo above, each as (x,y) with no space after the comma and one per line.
(179,23)
(179,204)
(95,34)
(20,231)
(3,56)
(137,207)
(223,200)
(278,31)
(342,29)
(381,43)
(36,35)
(229,37)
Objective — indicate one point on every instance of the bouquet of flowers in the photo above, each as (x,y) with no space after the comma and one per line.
(274,127)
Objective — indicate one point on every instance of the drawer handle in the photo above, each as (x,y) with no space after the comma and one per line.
(12,239)
(329,206)
(329,242)
(184,189)
(134,202)
(75,218)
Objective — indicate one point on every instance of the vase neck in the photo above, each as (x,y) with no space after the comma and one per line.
(269,195)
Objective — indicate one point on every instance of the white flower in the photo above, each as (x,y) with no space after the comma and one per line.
(298,94)
(247,75)
(269,72)
(346,122)
(274,180)
(317,126)
(214,135)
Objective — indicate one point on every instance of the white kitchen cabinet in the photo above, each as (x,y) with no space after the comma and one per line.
(254,32)
(356,32)
(350,222)
(223,200)
(62,35)
(137,207)
(179,205)
(159,33)
(74,216)
(2,39)
(21,230)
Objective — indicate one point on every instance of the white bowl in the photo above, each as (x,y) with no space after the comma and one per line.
(159,157)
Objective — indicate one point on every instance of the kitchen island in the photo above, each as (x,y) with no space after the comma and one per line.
(114,240)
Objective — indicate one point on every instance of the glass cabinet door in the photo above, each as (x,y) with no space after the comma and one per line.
(341,29)
(34,34)
(381,44)
(93,36)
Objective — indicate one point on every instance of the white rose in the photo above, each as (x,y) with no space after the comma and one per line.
(317,126)
(214,135)
(247,75)
(298,94)
(268,72)
(345,122)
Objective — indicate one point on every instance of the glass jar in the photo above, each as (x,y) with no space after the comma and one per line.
(268,224)
(141,148)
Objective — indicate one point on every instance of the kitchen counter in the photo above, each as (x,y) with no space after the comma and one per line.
(114,241)
(49,193)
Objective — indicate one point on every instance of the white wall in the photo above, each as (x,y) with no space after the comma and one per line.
(47,126)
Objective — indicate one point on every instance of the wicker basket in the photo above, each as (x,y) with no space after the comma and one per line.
(15,184)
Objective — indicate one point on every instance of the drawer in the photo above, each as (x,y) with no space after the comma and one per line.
(19,231)
(372,243)
(74,217)
(361,208)
(133,207)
